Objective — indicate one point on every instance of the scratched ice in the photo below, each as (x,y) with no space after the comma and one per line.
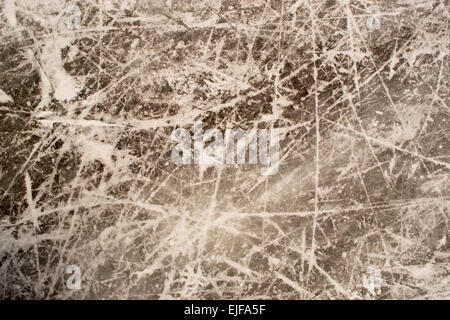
(86,176)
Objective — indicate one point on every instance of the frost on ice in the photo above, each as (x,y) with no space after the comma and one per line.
(87,178)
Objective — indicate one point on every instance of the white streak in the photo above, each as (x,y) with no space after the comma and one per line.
(5,98)
(9,11)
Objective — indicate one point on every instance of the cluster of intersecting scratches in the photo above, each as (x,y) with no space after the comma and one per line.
(86,176)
